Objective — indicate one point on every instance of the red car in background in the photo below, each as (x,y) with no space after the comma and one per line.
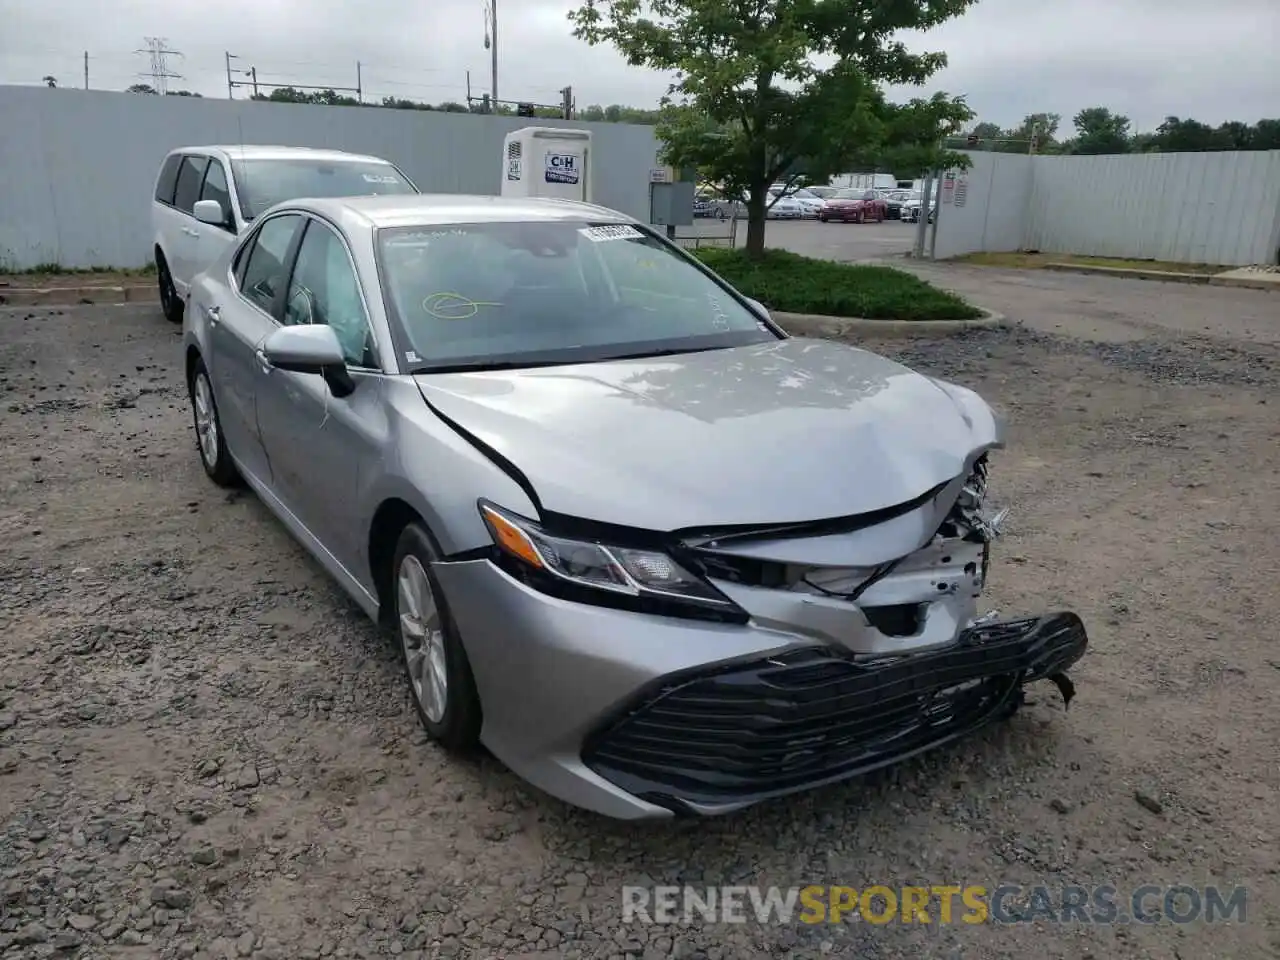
(854,206)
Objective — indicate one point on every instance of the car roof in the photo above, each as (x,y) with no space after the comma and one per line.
(245,151)
(410,210)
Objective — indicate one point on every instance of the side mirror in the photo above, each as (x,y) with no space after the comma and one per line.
(211,212)
(311,348)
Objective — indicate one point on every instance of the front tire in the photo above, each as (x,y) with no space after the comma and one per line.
(440,680)
(170,302)
(210,440)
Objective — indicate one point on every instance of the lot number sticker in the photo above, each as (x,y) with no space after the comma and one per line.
(563,167)
(614,232)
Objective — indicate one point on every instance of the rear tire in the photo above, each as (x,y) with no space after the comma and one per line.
(170,302)
(210,440)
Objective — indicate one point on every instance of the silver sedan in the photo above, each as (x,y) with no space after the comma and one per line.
(655,554)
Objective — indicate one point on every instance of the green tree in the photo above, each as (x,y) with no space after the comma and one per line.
(750,102)
(1098,130)
(1176,136)
(140,88)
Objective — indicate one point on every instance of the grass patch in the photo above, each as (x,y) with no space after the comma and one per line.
(1036,261)
(794,284)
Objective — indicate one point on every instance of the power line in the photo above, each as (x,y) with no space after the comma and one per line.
(160,74)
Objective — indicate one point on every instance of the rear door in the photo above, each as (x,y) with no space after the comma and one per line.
(182,258)
(237,329)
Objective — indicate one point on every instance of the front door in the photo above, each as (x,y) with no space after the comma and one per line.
(237,330)
(316,442)
(185,235)
(212,240)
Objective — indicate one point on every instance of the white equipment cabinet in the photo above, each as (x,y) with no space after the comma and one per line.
(547,162)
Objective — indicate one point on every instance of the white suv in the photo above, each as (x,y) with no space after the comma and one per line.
(205,196)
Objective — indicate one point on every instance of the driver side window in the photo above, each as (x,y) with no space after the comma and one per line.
(324,289)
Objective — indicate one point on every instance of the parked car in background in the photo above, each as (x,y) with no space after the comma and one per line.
(896,200)
(911,209)
(784,208)
(703,205)
(854,205)
(391,376)
(810,203)
(205,196)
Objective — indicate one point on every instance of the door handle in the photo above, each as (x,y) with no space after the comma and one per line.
(213,314)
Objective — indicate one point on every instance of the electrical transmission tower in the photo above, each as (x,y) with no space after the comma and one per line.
(157,49)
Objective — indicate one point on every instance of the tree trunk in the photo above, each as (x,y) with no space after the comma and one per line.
(757,204)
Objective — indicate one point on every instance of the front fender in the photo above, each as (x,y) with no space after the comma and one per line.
(439,474)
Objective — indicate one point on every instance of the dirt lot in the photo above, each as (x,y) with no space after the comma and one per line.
(206,752)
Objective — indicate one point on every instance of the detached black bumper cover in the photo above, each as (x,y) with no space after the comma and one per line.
(813,717)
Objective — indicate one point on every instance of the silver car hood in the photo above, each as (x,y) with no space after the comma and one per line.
(783,432)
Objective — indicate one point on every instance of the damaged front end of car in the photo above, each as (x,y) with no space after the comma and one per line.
(883,655)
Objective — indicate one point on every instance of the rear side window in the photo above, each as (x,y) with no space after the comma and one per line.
(267,270)
(168,178)
(190,176)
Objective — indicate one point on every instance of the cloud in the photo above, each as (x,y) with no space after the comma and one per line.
(1143,58)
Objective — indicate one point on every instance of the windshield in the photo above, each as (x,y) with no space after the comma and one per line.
(470,296)
(264,183)
(803,194)
(855,194)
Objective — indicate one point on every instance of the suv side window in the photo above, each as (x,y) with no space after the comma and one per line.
(190,174)
(168,178)
(267,269)
(215,188)
(324,289)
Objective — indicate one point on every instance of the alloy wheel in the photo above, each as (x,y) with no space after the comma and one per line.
(206,421)
(422,638)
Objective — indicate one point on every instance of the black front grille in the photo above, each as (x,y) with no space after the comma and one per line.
(814,716)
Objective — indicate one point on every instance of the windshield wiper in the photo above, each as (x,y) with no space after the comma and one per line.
(646,354)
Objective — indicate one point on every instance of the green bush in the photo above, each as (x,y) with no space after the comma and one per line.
(794,284)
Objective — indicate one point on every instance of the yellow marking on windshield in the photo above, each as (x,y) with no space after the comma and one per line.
(453,306)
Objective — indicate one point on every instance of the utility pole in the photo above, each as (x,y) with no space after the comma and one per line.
(253,75)
(359,84)
(567,102)
(86,69)
(468,89)
(491,43)
(1035,133)
(230,86)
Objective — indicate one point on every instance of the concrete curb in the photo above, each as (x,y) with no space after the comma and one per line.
(71,296)
(1246,282)
(814,325)
(1132,273)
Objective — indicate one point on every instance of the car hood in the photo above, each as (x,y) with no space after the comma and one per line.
(784,432)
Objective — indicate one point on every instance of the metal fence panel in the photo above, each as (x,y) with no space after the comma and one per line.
(1217,208)
(77,167)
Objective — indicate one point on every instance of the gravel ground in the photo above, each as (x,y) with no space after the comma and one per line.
(205,751)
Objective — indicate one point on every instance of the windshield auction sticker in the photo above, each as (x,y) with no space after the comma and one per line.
(612,232)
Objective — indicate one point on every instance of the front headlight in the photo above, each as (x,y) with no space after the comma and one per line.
(589,571)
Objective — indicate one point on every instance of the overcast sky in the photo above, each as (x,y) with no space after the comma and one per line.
(1143,58)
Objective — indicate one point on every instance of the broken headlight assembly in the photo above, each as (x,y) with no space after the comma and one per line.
(970,518)
(605,574)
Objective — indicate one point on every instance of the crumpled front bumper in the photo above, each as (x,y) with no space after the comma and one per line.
(711,741)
